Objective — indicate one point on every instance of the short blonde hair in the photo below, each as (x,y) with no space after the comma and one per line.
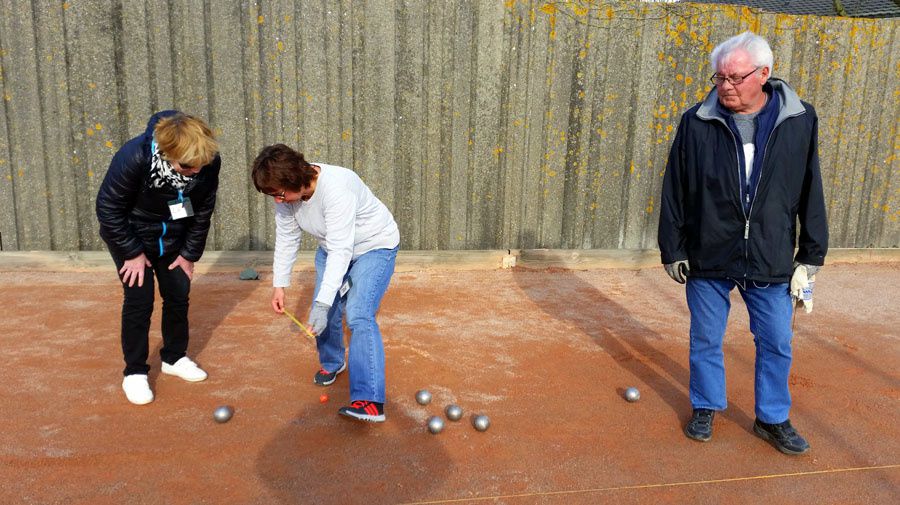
(186,139)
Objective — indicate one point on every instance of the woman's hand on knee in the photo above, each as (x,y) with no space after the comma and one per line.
(133,270)
(186,266)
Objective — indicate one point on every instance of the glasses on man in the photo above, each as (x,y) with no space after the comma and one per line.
(278,196)
(718,80)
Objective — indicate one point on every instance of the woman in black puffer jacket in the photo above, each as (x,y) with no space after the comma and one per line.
(154,209)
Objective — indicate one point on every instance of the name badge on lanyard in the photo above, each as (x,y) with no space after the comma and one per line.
(345,287)
(181,207)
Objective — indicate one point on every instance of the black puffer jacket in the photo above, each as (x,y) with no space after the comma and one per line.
(134,216)
(702,218)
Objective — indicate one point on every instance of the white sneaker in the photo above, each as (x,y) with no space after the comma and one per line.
(186,369)
(137,389)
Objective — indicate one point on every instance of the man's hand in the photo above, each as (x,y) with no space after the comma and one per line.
(811,270)
(802,285)
(186,266)
(133,270)
(799,282)
(318,318)
(278,300)
(678,271)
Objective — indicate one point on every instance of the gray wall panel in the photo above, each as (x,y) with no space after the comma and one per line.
(482,124)
(24,113)
(9,233)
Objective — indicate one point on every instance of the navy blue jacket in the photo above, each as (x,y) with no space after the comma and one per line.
(134,216)
(702,216)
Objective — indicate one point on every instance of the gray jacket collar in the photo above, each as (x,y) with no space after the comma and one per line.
(790,103)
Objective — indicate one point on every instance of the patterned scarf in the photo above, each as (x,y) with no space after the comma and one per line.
(161,172)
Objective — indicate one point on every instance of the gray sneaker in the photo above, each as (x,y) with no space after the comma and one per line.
(325,378)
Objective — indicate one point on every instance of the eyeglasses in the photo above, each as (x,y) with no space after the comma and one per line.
(718,80)
(183,165)
(279,196)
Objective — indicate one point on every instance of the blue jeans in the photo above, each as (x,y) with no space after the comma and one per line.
(770,308)
(369,276)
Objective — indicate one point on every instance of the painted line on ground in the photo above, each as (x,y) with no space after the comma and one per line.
(651,486)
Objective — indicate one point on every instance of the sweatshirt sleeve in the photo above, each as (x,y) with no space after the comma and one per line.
(287,243)
(340,224)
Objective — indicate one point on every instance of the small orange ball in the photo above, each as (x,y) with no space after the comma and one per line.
(323,398)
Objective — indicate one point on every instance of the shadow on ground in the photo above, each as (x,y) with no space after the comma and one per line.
(625,339)
(209,306)
(363,462)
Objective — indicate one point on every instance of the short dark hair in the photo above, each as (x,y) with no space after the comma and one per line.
(278,167)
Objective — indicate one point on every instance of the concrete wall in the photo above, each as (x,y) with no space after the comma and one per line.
(482,124)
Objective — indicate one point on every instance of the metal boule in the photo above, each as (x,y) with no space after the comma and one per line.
(223,414)
(632,394)
(435,424)
(454,412)
(423,397)
(481,422)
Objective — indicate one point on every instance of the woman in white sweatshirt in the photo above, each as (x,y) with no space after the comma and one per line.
(358,242)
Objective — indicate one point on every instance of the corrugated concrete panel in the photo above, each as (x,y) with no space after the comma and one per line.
(482,124)
(8,175)
(25,134)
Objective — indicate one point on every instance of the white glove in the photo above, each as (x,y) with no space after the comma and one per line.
(801,288)
(678,271)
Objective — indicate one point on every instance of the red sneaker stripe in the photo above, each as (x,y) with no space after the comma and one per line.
(371,409)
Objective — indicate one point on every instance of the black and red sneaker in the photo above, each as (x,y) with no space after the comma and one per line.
(325,378)
(365,411)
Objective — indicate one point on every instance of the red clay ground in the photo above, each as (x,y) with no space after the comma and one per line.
(546,354)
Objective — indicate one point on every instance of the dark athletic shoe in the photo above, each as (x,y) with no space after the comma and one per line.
(782,435)
(700,426)
(364,411)
(326,378)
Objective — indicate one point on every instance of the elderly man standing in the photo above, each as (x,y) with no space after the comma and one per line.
(742,171)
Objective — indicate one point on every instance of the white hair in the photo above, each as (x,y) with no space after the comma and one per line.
(756,46)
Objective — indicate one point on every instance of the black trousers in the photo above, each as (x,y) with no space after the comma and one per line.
(137,307)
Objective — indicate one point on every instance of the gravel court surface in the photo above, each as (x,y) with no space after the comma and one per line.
(546,353)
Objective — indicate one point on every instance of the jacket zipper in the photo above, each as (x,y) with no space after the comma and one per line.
(762,165)
(163,234)
(741,195)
